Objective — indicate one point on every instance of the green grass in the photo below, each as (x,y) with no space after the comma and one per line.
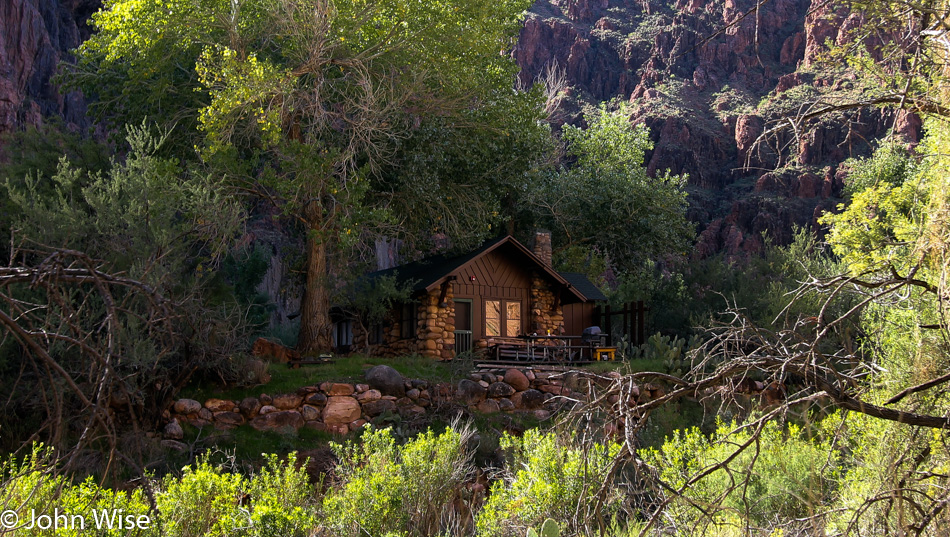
(247,445)
(341,369)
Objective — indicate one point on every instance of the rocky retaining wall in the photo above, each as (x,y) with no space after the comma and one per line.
(340,407)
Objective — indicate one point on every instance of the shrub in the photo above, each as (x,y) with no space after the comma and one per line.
(398,490)
(555,478)
(205,501)
(784,475)
(30,488)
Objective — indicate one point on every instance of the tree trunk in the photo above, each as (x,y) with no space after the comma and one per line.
(315,324)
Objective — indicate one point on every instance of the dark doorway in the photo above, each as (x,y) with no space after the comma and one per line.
(463,325)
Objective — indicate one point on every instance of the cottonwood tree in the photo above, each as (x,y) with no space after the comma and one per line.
(307,101)
(603,197)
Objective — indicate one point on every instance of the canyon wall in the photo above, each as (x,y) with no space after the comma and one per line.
(707,77)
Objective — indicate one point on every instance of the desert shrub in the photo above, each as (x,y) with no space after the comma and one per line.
(549,477)
(30,488)
(391,489)
(208,501)
(785,474)
(282,499)
(204,501)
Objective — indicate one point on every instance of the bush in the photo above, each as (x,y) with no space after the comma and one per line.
(31,488)
(399,490)
(554,479)
(207,501)
(784,475)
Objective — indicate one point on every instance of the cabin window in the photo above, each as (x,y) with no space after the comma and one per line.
(375,335)
(502,318)
(408,320)
(343,335)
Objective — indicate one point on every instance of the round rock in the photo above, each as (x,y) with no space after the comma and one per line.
(341,409)
(500,389)
(517,380)
(387,380)
(187,406)
(470,393)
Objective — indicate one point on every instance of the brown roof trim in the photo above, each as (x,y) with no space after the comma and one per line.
(524,250)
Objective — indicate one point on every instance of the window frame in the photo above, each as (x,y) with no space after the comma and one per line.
(503,320)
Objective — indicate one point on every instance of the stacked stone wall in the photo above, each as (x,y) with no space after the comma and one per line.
(343,407)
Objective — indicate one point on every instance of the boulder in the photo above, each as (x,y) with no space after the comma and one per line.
(174,431)
(341,409)
(500,389)
(375,408)
(278,420)
(310,413)
(542,414)
(387,380)
(249,406)
(219,405)
(317,425)
(228,419)
(470,393)
(555,390)
(174,445)
(287,401)
(411,411)
(187,406)
(340,389)
(488,406)
(267,409)
(517,380)
(369,396)
(205,414)
(413,394)
(528,399)
(505,405)
(317,399)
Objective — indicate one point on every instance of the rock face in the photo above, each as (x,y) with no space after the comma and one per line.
(35,35)
(701,99)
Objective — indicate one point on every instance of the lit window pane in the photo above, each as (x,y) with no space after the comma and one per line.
(492,318)
(513,319)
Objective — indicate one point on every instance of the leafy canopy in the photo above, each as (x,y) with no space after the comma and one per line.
(607,200)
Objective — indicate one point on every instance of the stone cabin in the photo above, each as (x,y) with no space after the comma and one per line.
(491,295)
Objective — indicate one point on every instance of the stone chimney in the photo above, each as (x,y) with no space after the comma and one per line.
(542,246)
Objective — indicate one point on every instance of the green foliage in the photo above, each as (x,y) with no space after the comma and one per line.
(549,528)
(310,103)
(31,487)
(879,229)
(549,477)
(206,501)
(398,490)
(670,351)
(788,473)
(138,214)
(243,271)
(373,300)
(606,199)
